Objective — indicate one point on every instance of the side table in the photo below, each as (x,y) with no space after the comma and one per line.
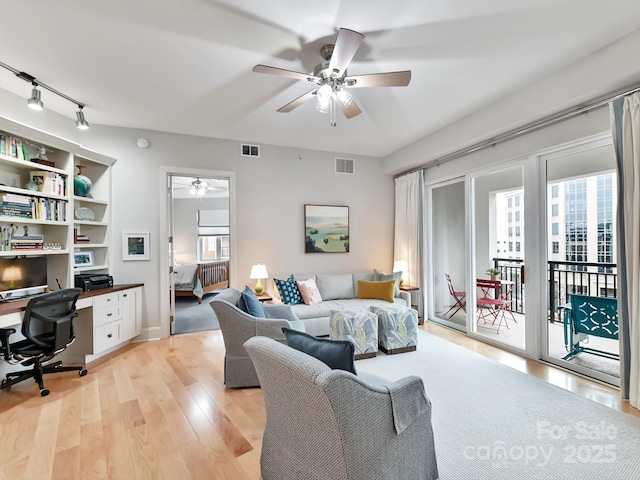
(264,297)
(411,289)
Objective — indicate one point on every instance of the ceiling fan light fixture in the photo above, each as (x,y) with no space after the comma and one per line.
(323,104)
(344,97)
(324,92)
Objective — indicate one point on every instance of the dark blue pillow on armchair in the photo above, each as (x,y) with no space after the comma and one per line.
(249,303)
(338,354)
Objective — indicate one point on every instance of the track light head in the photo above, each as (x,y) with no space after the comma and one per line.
(81,123)
(35,103)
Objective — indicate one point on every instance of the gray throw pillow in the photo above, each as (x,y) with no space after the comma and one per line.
(337,354)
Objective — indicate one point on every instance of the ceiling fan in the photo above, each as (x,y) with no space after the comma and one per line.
(196,186)
(331,77)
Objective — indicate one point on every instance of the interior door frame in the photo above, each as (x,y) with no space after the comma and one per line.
(165,230)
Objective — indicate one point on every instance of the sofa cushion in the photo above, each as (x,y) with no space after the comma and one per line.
(309,291)
(337,354)
(335,287)
(289,293)
(324,308)
(378,276)
(249,303)
(379,290)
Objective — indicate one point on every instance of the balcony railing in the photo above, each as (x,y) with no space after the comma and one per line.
(564,278)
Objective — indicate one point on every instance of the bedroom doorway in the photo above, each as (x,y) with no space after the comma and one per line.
(199,246)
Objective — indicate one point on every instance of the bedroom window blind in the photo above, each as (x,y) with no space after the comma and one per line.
(213,222)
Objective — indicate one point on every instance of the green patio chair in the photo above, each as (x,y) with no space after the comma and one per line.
(587,316)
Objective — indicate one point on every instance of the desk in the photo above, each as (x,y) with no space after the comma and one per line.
(106,319)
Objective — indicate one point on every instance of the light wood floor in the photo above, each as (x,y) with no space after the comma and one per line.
(160,410)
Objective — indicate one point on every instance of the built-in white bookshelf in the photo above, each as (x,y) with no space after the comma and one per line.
(52,216)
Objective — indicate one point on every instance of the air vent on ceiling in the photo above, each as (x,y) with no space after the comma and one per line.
(249,150)
(344,165)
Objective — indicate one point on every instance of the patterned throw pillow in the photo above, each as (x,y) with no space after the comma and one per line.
(309,291)
(382,277)
(288,289)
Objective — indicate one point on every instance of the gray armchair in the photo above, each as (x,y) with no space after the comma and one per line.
(238,326)
(324,423)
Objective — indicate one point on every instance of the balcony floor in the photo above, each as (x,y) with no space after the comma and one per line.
(515,337)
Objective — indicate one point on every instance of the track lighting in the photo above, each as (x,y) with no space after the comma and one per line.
(81,123)
(35,102)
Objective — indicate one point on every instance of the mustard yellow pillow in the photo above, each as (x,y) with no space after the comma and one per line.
(378,290)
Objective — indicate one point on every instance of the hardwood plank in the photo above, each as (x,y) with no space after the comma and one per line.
(43,448)
(93,452)
(66,465)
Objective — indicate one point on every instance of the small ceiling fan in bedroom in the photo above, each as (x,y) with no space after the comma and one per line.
(331,78)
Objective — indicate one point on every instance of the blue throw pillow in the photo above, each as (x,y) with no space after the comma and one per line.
(337,354)
(249,303)
(289,293)
(378,276)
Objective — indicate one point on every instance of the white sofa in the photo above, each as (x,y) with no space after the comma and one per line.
(338,292)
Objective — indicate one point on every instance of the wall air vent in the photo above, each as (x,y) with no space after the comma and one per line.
(345,166)
(250,150)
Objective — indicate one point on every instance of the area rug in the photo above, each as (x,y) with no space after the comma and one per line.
(493,422)
(192,316)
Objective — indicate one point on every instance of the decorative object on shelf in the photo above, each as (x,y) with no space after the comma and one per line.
(85,214)
(258,272)
(326,229)
(493,273)
(402,267)
(135,246)
(81,183)
(31,185)
(83,259)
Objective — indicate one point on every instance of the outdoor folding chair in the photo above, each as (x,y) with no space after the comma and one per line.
(460,299)
(493,302)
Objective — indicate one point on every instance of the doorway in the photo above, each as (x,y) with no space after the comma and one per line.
(199,231)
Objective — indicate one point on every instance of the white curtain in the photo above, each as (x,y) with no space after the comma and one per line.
(408,230)
(626,134)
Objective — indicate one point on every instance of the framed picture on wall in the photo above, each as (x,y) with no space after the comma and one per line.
(326,229)
(83,259)
(135,246)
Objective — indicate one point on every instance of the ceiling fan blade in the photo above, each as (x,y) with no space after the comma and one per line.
(281,72)
(387,79)
(347,45)
(297,102)
(350,110)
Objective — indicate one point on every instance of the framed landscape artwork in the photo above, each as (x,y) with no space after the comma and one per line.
(326,229)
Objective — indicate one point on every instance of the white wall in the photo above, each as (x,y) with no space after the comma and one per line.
(270,194)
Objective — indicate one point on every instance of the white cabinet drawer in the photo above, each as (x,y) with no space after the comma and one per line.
(106,315)
(106,336)
(106,300)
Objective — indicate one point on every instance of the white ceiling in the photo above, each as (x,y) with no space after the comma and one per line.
(185,66)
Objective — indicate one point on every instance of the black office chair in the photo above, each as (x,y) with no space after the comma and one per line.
(47,326)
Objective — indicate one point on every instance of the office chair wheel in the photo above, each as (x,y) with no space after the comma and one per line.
(44,392)
(82,372)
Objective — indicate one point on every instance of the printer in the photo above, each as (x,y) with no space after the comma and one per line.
(93,281)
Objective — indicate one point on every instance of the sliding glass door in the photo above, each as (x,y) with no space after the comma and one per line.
(581,260)
(447,234)
(498,255)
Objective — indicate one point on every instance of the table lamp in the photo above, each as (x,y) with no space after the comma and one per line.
(258,272)
(400,266)
(11,274)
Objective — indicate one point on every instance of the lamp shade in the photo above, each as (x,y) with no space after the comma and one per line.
(400,266)
(258,271)
(12,274)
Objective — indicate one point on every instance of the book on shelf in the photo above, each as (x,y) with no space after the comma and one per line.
(48,182)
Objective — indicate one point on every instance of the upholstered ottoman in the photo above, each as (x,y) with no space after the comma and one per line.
(360,327)
(397,328)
